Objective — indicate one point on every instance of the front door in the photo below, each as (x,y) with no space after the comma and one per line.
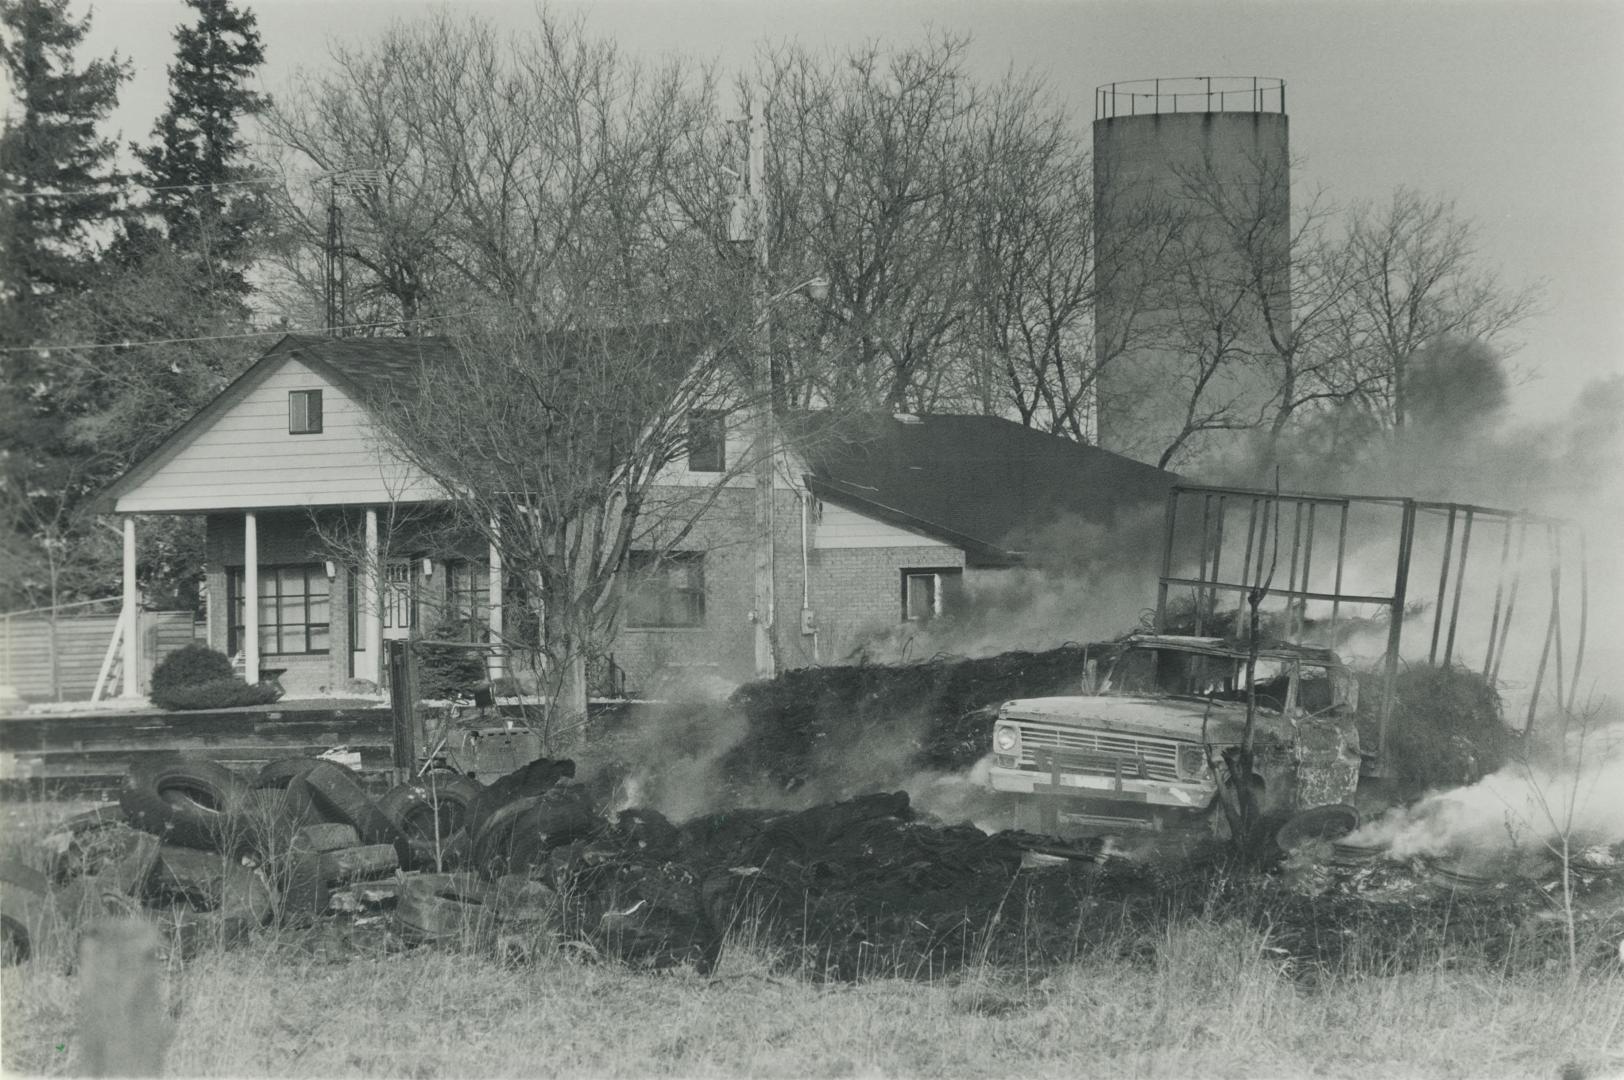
(399,598)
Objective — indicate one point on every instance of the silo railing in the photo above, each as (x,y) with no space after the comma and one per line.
(1190,93)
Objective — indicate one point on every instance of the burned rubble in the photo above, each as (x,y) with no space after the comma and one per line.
(864,886)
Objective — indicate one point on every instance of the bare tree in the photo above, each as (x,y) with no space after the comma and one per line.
(550,446)
(1033,286)
(1271,326)
(1415,280)
(870,172)
(485,170)
(553,210)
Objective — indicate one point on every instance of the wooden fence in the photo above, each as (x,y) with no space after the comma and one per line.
(46,659)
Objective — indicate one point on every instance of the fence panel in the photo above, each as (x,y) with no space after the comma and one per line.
(42,665)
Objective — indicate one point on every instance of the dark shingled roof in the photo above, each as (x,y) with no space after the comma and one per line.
(979,482)
(373,367)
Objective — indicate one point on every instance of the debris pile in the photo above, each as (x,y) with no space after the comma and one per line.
(933,704)
(866,886)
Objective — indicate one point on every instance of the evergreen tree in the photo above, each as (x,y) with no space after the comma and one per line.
(57,170)
(57,201)
(199,144)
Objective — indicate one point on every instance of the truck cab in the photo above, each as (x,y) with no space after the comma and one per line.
(1154,735)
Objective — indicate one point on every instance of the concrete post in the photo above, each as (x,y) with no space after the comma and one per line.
(250,597)
(367,597)
(132,600)
(497,666)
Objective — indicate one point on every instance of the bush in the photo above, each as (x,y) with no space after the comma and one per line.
(191,666)
(448,674)
(223,693)
(1446,729)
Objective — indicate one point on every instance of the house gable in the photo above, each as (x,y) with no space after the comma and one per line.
(238,453)
(840,527)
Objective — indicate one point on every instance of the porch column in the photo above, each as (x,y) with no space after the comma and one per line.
(250,597)
(497,667)
(367,597)
(132,598)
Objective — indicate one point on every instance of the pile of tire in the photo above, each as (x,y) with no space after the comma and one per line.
(480,891)
(217,854)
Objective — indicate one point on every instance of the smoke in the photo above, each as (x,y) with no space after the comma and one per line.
(1577,790)
(1460,446)
(1079,581)
(671,759)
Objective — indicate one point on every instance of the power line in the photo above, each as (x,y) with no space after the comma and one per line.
(120,189)
(234,337)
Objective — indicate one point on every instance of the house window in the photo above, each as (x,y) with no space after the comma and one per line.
(304,412)
(293,609)
(468,596)
(927,594)
(665,590)
(707,441)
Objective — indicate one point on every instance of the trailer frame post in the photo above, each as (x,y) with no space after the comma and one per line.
(1460,581)
(1395,627)
(1443,587)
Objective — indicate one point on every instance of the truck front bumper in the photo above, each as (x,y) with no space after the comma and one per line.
(1176,795)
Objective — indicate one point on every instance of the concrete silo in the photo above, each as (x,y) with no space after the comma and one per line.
(1192,186)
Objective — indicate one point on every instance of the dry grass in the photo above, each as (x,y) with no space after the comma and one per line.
(1204,999)
(1201,998)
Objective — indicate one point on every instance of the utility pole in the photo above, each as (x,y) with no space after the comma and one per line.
(764,392)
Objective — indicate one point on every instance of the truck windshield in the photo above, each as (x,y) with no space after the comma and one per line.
(1168,671)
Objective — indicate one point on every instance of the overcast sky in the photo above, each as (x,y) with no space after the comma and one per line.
(1514,110)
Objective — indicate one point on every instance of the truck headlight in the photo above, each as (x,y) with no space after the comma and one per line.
(1192,760)
(1006,739)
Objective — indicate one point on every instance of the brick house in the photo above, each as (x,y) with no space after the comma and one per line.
(878,524)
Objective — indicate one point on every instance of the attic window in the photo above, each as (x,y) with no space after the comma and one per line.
(707,441)
(304,412)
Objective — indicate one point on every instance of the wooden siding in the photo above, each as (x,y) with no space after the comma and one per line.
(248,460)
(81,643)
(842,528)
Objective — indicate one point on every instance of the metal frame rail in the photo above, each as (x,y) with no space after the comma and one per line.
(1217,503)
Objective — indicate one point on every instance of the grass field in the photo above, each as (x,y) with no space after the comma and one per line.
(1194,995)
(1199,999)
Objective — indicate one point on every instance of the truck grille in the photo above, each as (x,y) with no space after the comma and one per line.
(1099,753)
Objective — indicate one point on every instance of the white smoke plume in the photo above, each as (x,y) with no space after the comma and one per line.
(1576,791)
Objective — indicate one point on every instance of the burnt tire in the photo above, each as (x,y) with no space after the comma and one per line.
(493,850)
(282,772)
(365,863)
(235,897)
(270,817)
(1318,823)
(431,811)
(184,803)
(75,843)
(342,799)
(444,907)
(121,860)
(26,911)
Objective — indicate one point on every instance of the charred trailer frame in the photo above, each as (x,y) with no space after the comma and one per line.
(1215,508)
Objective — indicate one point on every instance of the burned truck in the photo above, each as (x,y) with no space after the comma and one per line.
(1151,745)
(1170,734)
